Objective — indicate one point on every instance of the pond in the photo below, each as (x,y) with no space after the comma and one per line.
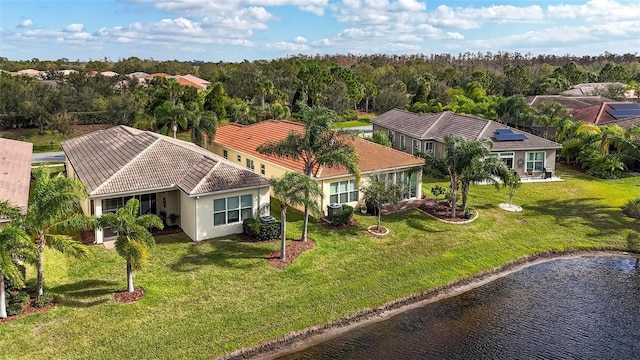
(571,308)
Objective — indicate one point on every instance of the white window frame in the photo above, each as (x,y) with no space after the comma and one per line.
(225,154)
(531,163)
(429,144)
(507,155)
(244,210)
(403,142)
(415,146)
(250,165)
(345,188)
(263,169)
(392,137)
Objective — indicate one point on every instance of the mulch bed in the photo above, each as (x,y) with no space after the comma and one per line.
(29,308)
(294,249)
(442,211)
(125,297)
(327,224)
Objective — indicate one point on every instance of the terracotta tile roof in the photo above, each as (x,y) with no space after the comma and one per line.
(596,114)
(182,81)
(15,172)
(122,159)
(155,75)
(246,138)
(196,79)
(436,126)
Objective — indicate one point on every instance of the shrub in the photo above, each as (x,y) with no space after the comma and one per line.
(258,231)
(632,208)
(14,309)
(16,302)
(43,300)
(350,115)
(342,217)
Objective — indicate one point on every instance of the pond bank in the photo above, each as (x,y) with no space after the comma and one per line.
(302,339)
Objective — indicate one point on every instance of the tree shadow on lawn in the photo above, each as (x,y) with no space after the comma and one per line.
(85,293)
(633,242)
(226,252)
(603,219)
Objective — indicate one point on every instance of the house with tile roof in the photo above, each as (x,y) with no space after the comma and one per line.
(624,114)
(238,143)
(207,195)
(15,174)
(524,153)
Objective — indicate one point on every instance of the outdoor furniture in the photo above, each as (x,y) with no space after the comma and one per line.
(548,173)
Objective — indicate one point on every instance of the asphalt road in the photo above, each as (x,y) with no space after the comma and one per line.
(366,130)
(56,156)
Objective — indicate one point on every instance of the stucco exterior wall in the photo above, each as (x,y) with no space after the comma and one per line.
(203,217)
(271,170)
(188,215)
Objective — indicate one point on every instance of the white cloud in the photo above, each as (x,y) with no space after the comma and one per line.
(74,27)
(473,18)
(288,47)
(597,11)
(26,23)
(300,40)
(455,36)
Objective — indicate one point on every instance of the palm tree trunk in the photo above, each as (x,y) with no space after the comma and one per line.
(379,215)
(130,277)
(305,224)
(465,193)
(3,305)
(40,280)
(283,232)
(366,104)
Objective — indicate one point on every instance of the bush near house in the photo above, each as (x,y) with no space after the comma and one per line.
(344,216)
(632,208)
(258,231)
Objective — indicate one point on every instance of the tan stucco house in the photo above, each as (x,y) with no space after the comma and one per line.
(207,195)
(15,174)
(238,143)
(522,152)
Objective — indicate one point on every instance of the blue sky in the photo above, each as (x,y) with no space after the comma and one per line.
(233,30)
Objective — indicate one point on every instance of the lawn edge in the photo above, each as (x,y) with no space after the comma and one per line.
(302,339)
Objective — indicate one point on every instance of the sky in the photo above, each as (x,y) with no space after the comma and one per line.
(235,30)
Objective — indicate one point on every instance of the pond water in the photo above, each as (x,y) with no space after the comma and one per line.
(571,308)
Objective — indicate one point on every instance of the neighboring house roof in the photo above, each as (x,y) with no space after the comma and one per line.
(139,75)
(569,102)
(184,81)
(196,79)
(604,113)
(436,126)
(109,73)
(122,159)
(372,157)
(626,123)
(592,88)
(28,72)
(155,75)
(15,172)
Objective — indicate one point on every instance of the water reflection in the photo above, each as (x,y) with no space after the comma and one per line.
(579,308)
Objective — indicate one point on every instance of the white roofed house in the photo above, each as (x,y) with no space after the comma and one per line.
(204,194)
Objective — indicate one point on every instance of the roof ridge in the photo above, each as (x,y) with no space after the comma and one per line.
(196,188)
(441,116)
(486,126)
(126,166)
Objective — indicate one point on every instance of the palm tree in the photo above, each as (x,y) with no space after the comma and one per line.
(15,247)
(609,134)
(204,124)
(291,190)
(170,117)
(551,114)
(317,146)
(53,212)
(134,239)
(465,161)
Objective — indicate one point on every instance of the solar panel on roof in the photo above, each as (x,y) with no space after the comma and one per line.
(624,113)
(508,135)
(625,106)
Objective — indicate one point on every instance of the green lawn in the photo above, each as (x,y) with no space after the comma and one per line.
(206,299)
(50,140)
(351,123)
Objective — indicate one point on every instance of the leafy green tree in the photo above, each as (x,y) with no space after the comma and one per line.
(291,189)
(381,190)
(214,101)
(134,239)
(550,114)
(512,182)
(482,168)
(15,248)
(380,137)
(54,212)
(317,146)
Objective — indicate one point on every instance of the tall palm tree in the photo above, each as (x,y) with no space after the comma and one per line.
(170,117)
(54,212)
(465,161)
(15,247)
(609,134)
(291,190)
(551,114)
(317,146)
(134,239)
(203,124)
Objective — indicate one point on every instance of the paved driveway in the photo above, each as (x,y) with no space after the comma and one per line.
(56,156)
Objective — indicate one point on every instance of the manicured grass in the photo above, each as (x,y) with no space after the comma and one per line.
(50,140)
(351,123)
(203,300)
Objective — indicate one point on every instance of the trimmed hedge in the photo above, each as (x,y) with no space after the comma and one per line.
(258,231)
(342,217)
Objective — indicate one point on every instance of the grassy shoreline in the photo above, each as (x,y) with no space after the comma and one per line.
(210,299)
